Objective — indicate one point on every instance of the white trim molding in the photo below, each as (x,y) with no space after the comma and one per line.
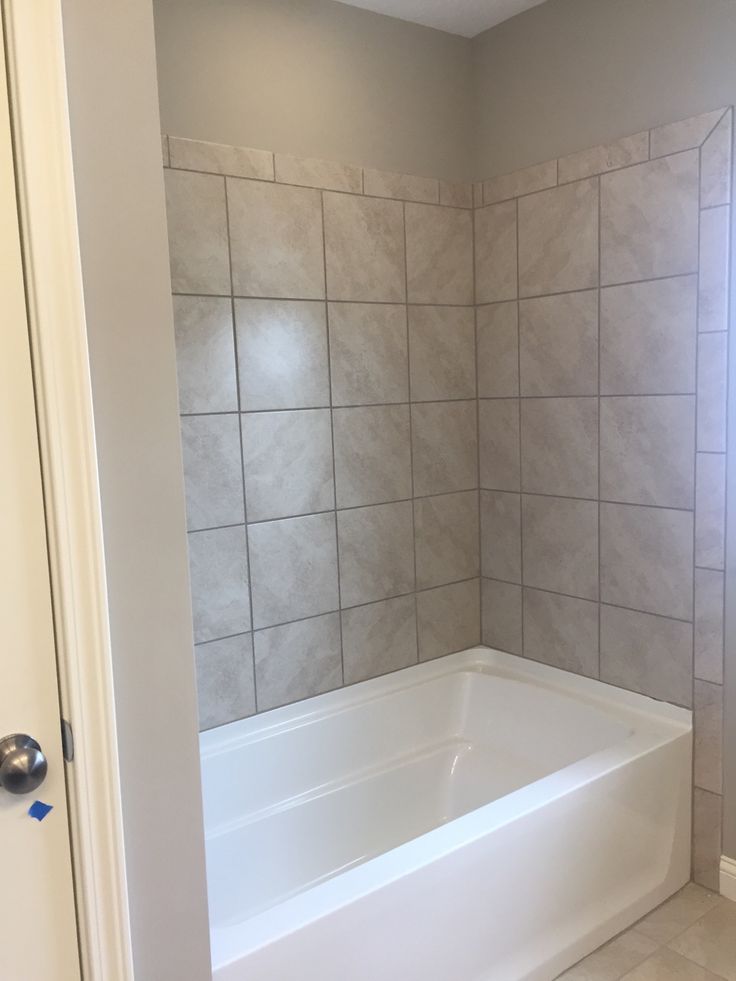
(53,275)
(728,877)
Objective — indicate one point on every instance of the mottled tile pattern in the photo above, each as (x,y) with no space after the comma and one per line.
(439,254)
(501,619)
(448,619)
(500,464)
(225,689)
(368,353)
(218,570)
(213,477)
(707,751)
(708,626)
(495,253)
(372,454)
(444,447)
(376,552)
(608,156)
(558,338)
(442,345)
(559,446)
(379,637)
(715,164)
(684,134)
(447,536)
(205,354)
(498,350)
(500,515)
(712,384)
(714,263)
(309,172)
(217,158)
(560,545)
(710,510)
(534,178)
(197,220)
(296,660)
(382,184)
(561,631)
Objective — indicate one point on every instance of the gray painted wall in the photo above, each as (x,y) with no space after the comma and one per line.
(315,78)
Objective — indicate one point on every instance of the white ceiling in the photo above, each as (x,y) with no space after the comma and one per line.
(466,17)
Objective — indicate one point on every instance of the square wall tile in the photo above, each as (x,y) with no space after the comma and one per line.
(501,617)
(560,546)
(224,681)
(297,660)
(275,240)
(708,627)
(558,239)
(647,447)
(372,454)
(648,654)
(444,440)
(376,552)
(648,337)
(364,242)
(649,220)
(712,387)
(205,354)
(282,354)
(714,264)
(213,476)
(708,745)
(558,338)
(293,568)
(442,353)
(288,463)
(500,518)
(447,536)
(197,224)
(368,353)
(710,510)
(495,253)
(439,254)
(707,836)
(561,631)
(218,571)
(647,559)
(498,350)
(715,165)
(498,420)
(559,446)
(448,619)
(379,638)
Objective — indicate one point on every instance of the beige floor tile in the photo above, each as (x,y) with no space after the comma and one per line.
(613,960)
(677,914)
(711,942)
(668,966)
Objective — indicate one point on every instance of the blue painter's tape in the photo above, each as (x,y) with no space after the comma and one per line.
(39,810)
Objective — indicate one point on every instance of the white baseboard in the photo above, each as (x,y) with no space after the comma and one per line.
(728,877)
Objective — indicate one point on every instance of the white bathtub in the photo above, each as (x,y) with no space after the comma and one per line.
(476,818)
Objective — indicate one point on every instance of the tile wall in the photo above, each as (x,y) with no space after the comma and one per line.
(325,337)
(602,288)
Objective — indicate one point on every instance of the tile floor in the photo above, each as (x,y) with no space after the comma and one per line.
(691,937)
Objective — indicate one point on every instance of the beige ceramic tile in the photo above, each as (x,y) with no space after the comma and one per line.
(293,568)
(707,815)
(649,220)
(439,254)
(275,240)
(707,750)
(448,619)
(558,338)
(213,478)
(498,350)
(297,660)
(608,156)
(218,571)
(714,259)
(501,619)
(715,165)
(558,239)
(710,510)
(282,354)
(534,178)
(477,194)
(647,559)
(711,942)
(708,627)
(500,535)
(647,446)
(368,353)
(456,194)
(648,654)
(444,441)
(683,134)
(217,158)
(224,681)
(447,535)
(560,547)
(309,172)
(498,420)
(666,965)
(648,337)
(364,241)
(495,253)
(376,552)
(674,917)
(712,364)
(197,224)
(205,354)
(442,353)
(406,187)
(165,149)
(379,638)
(287,460)
(559,446)
(372,454)
(611,961)
(561,631)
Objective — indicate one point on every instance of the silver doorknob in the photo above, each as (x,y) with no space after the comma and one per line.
(22,764)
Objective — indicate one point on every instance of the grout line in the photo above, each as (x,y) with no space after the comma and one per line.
(518,368)
(411,434)
(598,360)
(477,423)
(587,500)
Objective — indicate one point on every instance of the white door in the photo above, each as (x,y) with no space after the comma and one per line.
(38,934)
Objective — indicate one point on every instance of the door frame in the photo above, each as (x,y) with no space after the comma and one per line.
(57,328)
